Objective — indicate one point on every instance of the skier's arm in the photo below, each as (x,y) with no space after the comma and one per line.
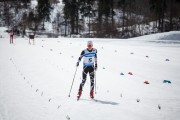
(79,60)
(96,57)
(96,60)
(82,53)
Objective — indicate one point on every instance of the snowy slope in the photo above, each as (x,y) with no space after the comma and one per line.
(172,35)
(35,79)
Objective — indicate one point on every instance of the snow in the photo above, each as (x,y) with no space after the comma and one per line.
(33,3)
(172,35)
(35,79)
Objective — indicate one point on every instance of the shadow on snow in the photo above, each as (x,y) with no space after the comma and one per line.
(102,101)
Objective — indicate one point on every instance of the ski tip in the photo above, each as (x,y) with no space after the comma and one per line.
(68,95)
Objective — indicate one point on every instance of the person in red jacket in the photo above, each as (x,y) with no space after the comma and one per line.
(11,37)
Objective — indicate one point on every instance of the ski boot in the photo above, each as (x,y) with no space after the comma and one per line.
(92,94)
(79,94)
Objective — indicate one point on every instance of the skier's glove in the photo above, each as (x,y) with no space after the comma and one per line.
(95,67)
(77,64)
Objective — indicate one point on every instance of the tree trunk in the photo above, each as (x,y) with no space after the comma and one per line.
(162,17)
(77,18)
(99,21)
(156,19)
(65,34)
(112,14)
(89,19)
(77,24)
(171,13)
(123,18)
(72,26)
(89,26)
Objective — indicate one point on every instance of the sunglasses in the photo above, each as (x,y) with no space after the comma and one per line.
(89,45)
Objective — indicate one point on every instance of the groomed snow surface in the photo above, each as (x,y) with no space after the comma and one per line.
(35,80)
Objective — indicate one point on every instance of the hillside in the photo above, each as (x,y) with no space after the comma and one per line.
(90,18)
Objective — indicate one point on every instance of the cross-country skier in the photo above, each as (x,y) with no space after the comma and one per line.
(89,56)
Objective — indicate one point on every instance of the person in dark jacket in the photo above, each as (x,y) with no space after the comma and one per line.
(89,56)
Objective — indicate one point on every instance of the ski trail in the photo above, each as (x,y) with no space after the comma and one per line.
(1,105)
(3,112)
(3,109)
(1,98)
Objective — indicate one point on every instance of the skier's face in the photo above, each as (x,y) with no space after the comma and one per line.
(89,46)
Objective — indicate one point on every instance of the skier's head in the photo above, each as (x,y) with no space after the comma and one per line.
(89,45)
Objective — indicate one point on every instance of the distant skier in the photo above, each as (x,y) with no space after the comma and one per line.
(89,65)
(11,36)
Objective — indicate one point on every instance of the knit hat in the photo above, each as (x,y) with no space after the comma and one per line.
(89,43)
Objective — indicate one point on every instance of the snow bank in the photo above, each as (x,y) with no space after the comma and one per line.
(173,35)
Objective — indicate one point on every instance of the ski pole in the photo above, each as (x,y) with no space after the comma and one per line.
(73,81)
(95,80)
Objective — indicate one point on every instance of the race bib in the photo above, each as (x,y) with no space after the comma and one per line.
(89,60)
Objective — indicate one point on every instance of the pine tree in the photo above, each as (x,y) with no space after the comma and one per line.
(69,14)
(87,10)
(159,8)
(44,10)
(104,11)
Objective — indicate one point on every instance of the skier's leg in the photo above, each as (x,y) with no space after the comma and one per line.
(91,73)
(84,75)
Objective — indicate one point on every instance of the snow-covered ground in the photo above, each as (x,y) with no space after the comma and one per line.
(35,79)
